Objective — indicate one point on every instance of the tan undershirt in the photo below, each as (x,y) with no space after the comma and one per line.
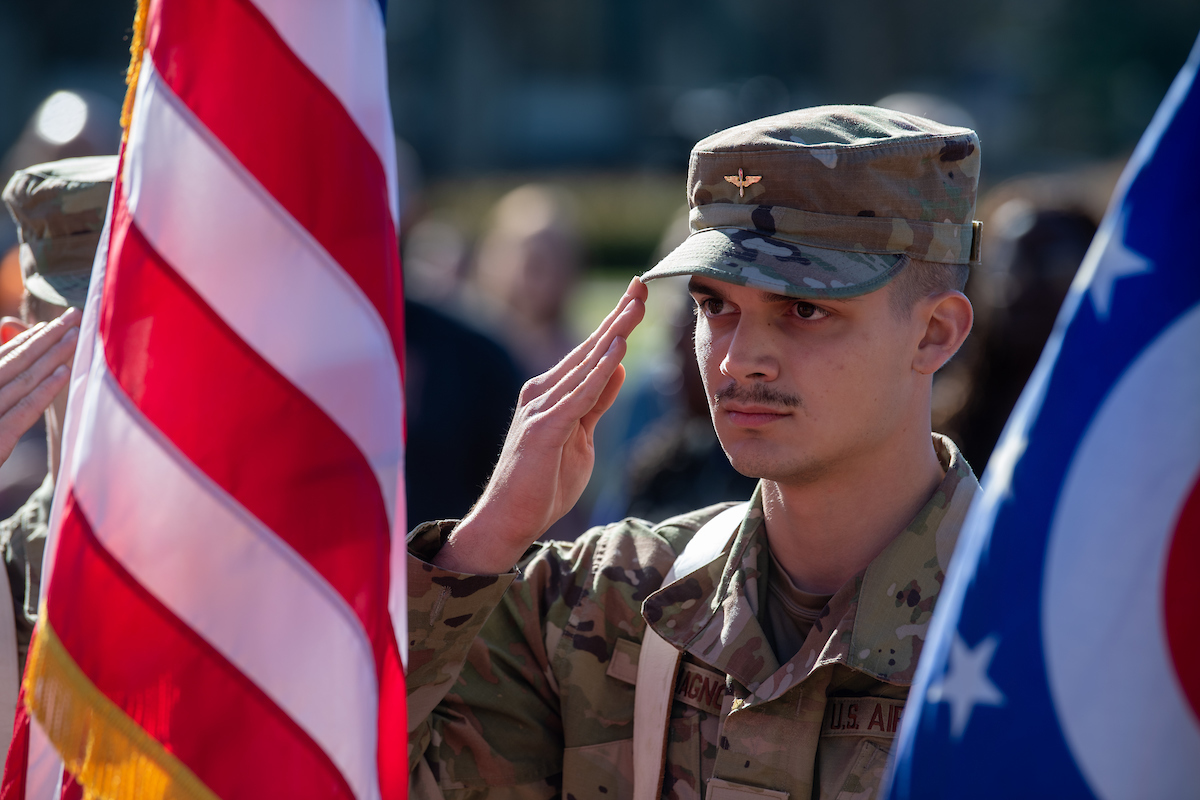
(791,612)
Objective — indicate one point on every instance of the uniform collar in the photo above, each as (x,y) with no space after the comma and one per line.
(875,623)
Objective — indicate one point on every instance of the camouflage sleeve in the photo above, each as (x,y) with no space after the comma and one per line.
(23,539)
(484,711)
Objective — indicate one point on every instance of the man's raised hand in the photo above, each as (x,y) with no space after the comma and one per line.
(35,365)
(548,454)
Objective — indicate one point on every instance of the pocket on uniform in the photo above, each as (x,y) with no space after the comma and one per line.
(599,771)
(866,773)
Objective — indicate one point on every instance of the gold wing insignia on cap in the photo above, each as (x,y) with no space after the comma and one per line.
(742,181)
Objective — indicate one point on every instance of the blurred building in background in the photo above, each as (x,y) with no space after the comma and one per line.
(481,85)
(485,85)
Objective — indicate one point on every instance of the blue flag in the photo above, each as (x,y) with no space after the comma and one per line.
(1064,656)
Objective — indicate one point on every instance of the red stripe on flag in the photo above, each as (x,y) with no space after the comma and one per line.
(16,763)
(71,789)
(212,396)
(229,66)
(173,684)
(392,755)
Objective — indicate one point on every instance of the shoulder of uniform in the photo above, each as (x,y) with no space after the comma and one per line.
(679,530)
(631,550)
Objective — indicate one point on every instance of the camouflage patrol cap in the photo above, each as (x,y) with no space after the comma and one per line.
(828,202)
(59,209)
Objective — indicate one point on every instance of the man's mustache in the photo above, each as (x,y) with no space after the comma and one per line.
(759,394)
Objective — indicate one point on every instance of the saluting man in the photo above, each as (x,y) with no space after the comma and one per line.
(764,650)
(59,208)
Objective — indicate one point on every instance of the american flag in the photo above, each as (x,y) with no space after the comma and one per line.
(225,606)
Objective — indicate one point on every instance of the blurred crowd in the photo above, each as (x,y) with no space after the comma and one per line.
(489,309)
(657,454)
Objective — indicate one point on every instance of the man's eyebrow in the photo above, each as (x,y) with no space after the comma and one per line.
(772,297)
(696,287)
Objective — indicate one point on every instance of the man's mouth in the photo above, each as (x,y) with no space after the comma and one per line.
(753,416)
(755,405)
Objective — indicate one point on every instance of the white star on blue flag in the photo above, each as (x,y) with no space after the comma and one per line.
(966,684)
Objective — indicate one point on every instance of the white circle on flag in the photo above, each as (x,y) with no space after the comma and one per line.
(1119,701)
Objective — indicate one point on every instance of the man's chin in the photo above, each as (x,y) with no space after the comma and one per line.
(763,460)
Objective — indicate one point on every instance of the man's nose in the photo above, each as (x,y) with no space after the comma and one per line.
(749,355)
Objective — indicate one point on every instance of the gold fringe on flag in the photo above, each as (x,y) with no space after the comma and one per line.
(137,45)
(109,754)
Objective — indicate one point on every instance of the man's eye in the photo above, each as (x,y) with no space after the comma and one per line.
(809,311)
(710,306)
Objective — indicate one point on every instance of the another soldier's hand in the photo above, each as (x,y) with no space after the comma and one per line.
(35,365)
(548,454)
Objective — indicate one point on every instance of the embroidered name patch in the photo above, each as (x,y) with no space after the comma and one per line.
(862,716)
(700,688)
(695,686)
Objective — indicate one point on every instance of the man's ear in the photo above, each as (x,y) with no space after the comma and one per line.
(11,327)
(948,317)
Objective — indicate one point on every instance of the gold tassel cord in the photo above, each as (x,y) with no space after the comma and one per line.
(110,755)
(137,46)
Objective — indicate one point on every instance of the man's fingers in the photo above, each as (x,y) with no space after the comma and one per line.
(587,348)
(20,339)
(607,397)
(620,328)
(15,383)
(24,349)
(582,400)
(20,418)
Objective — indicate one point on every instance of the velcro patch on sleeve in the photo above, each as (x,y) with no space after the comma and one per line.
(728,790)
(624,662)
(862,716)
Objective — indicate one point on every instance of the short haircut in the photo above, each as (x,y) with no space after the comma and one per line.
(920,279)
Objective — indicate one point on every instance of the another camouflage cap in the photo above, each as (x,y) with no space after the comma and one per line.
(828,202)
(59,209)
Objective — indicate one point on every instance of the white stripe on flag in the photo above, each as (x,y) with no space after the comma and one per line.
(321,33)
(43,774)
(230,579)
(322,333)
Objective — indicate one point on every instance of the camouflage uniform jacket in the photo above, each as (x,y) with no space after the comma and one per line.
(23,537)
(522,685)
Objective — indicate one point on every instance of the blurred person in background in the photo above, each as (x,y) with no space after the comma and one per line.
(67,124)
(1039,228)
(459,386)
(435,263)
(527,266)
(59,209)
(459,382)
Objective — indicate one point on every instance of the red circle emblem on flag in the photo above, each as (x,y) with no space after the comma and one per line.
(1182,598)
(1120,627)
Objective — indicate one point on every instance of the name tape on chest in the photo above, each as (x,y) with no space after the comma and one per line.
(862,716)
(695,686)
(700,688)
